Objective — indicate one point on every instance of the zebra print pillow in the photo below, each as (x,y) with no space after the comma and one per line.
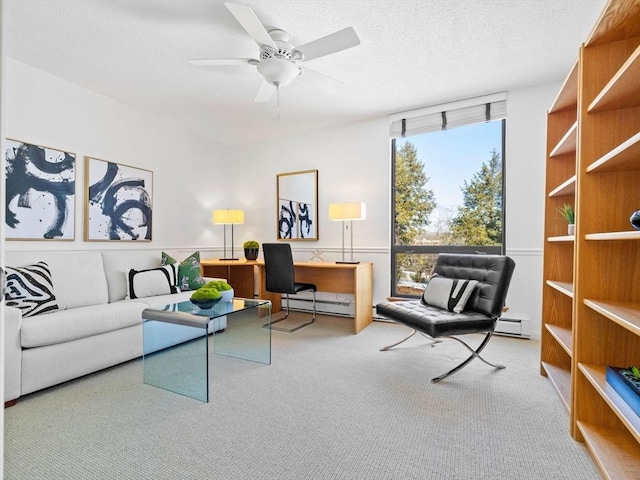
(30,289)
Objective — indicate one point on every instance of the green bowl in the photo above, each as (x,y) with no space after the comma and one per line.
(206,304)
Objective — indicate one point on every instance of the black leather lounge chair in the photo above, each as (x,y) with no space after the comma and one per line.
(443,310)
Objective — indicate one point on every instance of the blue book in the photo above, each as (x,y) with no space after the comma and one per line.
(625,387)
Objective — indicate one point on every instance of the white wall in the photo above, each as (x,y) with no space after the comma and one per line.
(354,165)
(193,175)
(525,160)
(45,110)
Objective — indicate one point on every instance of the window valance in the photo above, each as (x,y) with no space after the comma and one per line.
(448,115)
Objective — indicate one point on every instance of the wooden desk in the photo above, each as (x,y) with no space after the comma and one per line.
(240,274)
(356,279)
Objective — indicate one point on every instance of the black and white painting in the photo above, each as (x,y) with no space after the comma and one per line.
(297,205)
(306,220)
(40,192)
(119,202)
(288,220)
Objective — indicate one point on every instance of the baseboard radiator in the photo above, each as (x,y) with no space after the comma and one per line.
(513,327)
(330,304)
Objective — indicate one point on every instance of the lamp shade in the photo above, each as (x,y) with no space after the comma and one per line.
(228,217)
(347,211)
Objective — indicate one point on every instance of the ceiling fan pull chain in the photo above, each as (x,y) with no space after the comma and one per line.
(278,100)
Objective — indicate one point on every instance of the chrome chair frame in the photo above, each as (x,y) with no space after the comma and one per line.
(483,309)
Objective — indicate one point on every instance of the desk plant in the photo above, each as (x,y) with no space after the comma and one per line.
(251,248)
(566,211)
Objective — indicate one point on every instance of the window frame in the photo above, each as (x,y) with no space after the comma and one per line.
(435,249)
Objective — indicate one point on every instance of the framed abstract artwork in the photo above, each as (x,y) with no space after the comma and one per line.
(119,202)
(297,194)
(39,192)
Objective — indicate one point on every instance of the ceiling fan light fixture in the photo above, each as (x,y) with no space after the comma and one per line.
(278,56)
(277,71)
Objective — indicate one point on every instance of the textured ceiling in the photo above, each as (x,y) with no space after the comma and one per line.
(413,53)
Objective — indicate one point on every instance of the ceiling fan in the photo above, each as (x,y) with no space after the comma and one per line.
(278,61)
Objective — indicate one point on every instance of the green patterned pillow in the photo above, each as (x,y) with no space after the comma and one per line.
(189,273)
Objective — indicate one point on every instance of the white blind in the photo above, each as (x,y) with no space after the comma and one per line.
(448,115)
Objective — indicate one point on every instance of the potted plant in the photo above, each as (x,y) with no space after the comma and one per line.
(206,297)
(251,248)
(568,214)
(223,287)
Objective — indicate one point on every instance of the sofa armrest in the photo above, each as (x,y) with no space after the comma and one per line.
(12,319)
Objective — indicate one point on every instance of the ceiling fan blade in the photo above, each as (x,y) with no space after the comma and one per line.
(223,61)
(340,40)
(250,22)
(328,84)
(265,92)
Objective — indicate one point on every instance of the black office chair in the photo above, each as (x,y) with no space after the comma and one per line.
(487,277)
(280,278)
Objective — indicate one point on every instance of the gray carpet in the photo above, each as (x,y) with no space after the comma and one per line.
(331,406)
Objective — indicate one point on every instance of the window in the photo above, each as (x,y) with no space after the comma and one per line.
(448,191)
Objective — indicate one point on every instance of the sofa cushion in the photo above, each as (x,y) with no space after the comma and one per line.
(151,282)
(118,262)
(448,293)
(67,325)
(30,289)
(78,277)
(160,301)
(189,271)
(81,278)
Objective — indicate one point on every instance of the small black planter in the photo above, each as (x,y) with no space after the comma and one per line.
(251,253)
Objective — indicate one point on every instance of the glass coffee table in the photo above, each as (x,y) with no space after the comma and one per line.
(176,341)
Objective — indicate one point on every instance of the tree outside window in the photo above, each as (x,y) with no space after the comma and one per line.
(448,196)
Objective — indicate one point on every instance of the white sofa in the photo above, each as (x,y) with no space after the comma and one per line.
(95,326)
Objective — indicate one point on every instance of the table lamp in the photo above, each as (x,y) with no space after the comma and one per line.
(347,211)
(228,217)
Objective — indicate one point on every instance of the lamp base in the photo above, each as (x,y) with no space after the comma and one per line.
(228,259)
(350,262)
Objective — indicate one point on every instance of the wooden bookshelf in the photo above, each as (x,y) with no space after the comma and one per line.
(567,144)
(591,289)
(566,188)
(560,378)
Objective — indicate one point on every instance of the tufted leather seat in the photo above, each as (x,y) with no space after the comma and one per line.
(435,321)
(484,307)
